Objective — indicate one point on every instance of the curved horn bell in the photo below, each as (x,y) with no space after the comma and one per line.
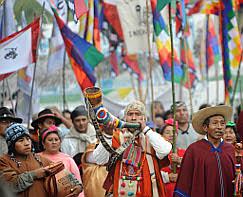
(94,95)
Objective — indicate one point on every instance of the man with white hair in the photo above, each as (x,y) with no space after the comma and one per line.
(136,170)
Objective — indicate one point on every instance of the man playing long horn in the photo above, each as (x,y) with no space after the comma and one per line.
(136,171)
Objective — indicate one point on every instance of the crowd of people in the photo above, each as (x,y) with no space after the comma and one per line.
(62,155)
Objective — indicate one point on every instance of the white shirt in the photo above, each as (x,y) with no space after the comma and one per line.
(160,145)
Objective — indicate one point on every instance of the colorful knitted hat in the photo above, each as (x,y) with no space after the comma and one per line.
(13,133)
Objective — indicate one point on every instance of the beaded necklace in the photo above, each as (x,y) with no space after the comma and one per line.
(127,174)
(19,163)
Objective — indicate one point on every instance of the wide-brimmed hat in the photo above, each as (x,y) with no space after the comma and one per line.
(199,117)
(46,113)
(5,113)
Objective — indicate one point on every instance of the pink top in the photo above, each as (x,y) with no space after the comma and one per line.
(68,163)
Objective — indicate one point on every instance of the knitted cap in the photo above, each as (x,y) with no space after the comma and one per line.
(79,111)
(136,105)
(14,132)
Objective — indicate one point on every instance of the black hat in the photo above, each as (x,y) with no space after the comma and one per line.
(79,111)
(5,113)
(46,113)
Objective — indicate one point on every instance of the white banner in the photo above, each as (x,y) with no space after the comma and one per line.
(16,52)
(56,54)
(133,17)
(57,48)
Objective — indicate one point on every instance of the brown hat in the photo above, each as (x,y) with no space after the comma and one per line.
(46,113)
(199,117)
(5,113)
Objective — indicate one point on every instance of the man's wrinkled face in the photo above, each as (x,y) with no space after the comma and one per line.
(80,123)
(182,115)
(216,128)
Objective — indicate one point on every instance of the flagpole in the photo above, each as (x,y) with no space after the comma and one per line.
(150,58)
(188,77)
(217,82)
(206,45)
(173,86)
(140,92)
(3,93)
(241,96)
(4,31)
(181,90)
(237,79)
(133,87)
(10,96)
(146,91)
(63,72)
(64,81)
(34,72)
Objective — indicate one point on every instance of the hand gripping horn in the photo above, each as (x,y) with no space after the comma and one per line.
(94,95)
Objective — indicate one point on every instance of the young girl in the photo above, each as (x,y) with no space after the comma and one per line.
(169,177)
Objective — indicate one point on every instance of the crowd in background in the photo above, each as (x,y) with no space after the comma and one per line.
(70,137)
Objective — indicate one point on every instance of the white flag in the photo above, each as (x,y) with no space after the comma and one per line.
(18,49)
(56,54)
(133,17)
(57,48)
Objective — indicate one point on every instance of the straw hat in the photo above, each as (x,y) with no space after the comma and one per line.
(199,117)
